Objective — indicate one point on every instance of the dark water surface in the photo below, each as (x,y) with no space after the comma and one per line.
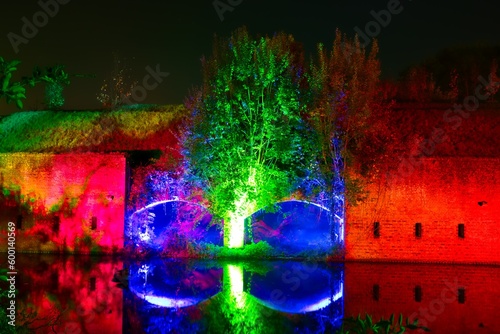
(78,295)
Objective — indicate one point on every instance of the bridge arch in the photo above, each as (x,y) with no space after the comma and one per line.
(295,227)
(172,225)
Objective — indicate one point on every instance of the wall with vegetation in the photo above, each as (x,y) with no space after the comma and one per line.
(147,128)
(63,202)
(444,130)
(439,194)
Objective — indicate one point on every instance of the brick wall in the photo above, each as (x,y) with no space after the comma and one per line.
(440,307)
(65,202)
(440,194)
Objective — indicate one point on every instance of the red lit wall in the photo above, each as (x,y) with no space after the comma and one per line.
(57,196)
(439,307)
(440,194)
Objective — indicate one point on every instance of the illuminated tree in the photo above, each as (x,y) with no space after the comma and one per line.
(55,79)
(347,119)
(248,143)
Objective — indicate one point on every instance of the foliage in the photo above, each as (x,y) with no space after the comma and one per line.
(345,113)
(265,125)
(65,205)
(54,98)
(11,91)
(11,196)
(258,250)
(247,142)
(141,124)
(383,326)
(451,74)
(116,89)
(55,79)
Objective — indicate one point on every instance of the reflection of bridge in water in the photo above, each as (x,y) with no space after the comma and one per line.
(293,227)
(172,283)
(279,286)
(291,287)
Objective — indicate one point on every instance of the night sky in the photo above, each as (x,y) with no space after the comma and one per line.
(173,35)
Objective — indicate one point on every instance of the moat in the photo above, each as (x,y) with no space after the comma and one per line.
(82,294)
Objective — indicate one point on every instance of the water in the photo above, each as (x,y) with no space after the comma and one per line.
(78,295)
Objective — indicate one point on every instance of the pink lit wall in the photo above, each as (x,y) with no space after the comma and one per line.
(64,202)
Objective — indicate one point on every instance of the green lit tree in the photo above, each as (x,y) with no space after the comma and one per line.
(248,143)
(55,79)
(11,91)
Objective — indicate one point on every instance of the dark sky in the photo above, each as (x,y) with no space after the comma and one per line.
(83,35)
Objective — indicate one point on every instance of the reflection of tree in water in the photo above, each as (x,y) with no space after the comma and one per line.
(227,300)
(235,310)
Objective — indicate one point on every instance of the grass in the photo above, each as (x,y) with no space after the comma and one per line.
(254,251)
(259,250)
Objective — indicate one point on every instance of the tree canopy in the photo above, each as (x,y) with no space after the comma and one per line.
(345,113)
(266,123)
(248,141)
(451,74)
(55,79)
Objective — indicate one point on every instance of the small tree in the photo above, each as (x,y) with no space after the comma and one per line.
(494,78)
(248,143)
(55,79)
(116,89)
(345,115)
